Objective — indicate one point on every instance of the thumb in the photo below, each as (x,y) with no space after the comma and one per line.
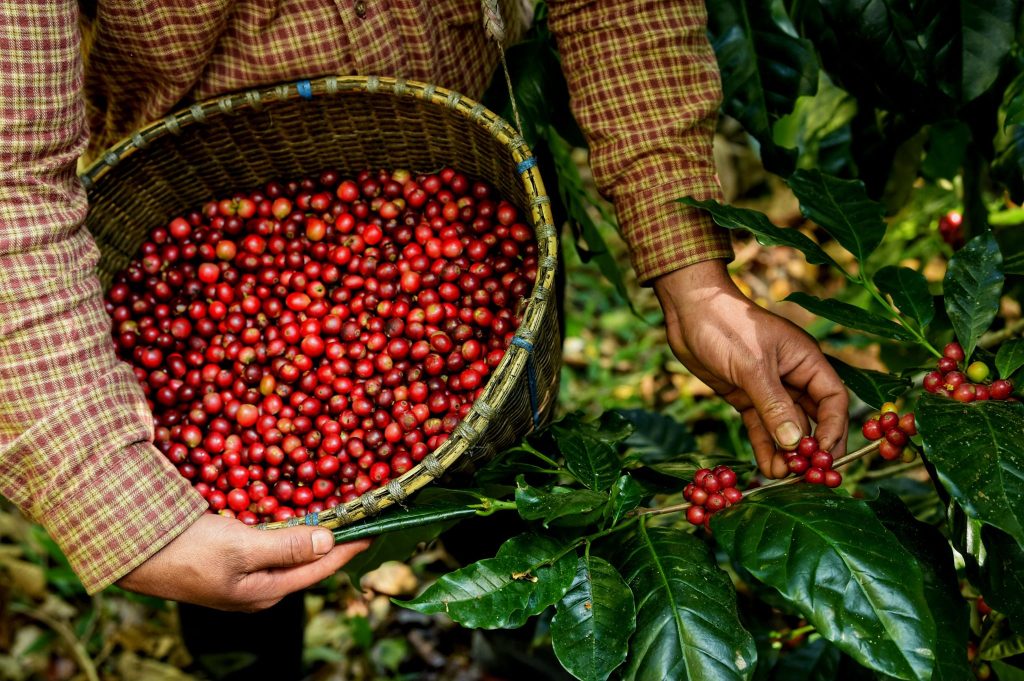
(288,547)
(777,411)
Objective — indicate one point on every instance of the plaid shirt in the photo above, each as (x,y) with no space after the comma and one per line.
(76,449)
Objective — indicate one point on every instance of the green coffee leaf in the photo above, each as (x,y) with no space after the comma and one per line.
(557,574)
(657,437)
(988,36)
(1010,357)
(765,68)
(909,290)
(1013,102)
(842,208)
(764,231)
(438,507)
(931,551)
(973,284)
(595,619)
(978,453)
(830,557)
(1002,574)
(627,494)
(875,388)
(850,316)
(591,459)
(573,507)
(687,627)
(504,591)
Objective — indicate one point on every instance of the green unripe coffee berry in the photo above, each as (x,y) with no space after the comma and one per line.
(977,371)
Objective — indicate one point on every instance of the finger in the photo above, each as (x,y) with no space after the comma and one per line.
(827,392)
(286,580)
(262,588)
(287,547)
(778,412)
(771,463)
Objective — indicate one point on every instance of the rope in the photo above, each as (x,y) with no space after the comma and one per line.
(494,25)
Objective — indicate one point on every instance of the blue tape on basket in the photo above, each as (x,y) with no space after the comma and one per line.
(313,518)
(525,165)
(305,89)
(531,377)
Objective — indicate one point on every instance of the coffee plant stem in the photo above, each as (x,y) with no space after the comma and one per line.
(788,480)
(907,324)
(891,471)
(994,338)
(489,506)
(586,540)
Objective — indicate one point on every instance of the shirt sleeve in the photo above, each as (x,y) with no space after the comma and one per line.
(645,88)
(76,450)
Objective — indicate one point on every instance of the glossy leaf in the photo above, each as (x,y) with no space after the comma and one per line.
(687,628)
(931,551)
(595,618)
(978,452)
(1003,574)
(909,291)
(1013,102)
(395,545)
(830,557)
(764,67)
(627,494)
(1000,641)
(657,437)
(504,591)
(440,506)
(875,388)
(842,208)
(558,503)
(1010,357)
(973,284)
(764,231)
(591,459)
(988,36)
(850,316)
(1008,167)
(1007,672)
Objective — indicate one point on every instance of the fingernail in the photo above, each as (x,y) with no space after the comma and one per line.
(323,541)
(788,434)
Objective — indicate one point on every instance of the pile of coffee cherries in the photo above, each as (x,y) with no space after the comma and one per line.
(894,431)
(813,463)
(710,492)
(307,342)
(969,385)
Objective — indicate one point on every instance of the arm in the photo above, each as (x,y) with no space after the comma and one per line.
(645,89)
(76,450)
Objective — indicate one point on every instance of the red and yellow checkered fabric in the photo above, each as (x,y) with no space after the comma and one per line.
(76,448)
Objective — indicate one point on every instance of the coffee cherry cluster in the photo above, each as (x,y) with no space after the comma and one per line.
(969,385)
(710,492)
(812,462)
(307,342)
(894,431)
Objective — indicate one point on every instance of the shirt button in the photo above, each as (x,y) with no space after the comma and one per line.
(360,9)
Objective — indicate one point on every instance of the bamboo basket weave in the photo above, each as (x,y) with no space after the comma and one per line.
(241,141)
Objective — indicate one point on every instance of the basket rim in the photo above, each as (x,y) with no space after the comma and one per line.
(517,362)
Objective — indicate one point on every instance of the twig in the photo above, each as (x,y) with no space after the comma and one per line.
(85,663)
(993,338)
(788,480)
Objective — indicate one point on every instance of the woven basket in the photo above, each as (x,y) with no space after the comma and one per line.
(241,141)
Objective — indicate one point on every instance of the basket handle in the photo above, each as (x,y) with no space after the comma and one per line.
(494,26)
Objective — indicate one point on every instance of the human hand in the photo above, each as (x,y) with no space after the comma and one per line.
(766,367)
(221,563)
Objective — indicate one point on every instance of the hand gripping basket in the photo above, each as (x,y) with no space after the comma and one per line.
(241,141)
